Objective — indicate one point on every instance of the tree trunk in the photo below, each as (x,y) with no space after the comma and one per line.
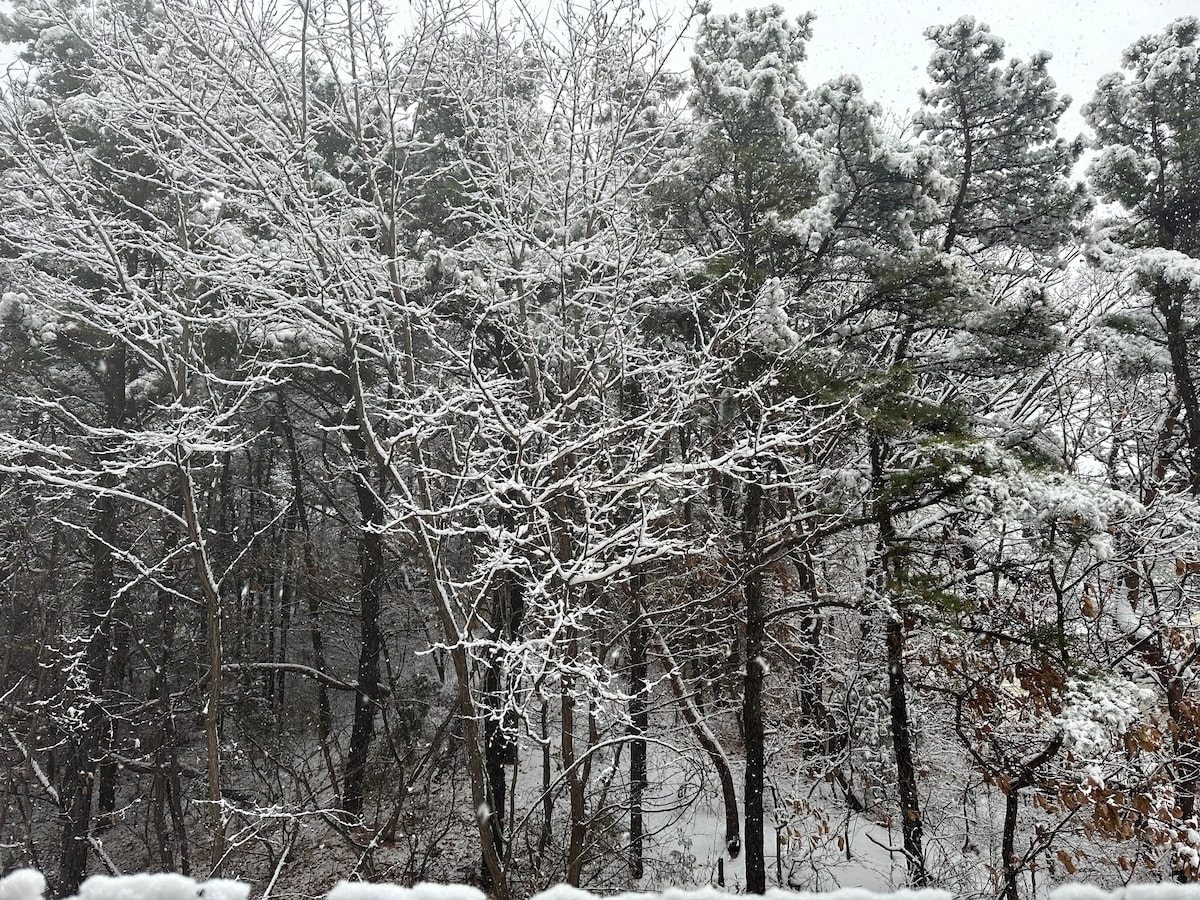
(106,801)
(81,768)
(708,741)
(1008,841)
(167,754)
(1170,303)
(639,723)
(911,825)
(1012,795)
(575,784)
(494,759)
(752,697)
(210,587)
(499,742)
(547,781)
(317,638)
(106,796)
(428,546)
(370,559)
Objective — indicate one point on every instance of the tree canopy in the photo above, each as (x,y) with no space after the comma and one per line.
(457,444)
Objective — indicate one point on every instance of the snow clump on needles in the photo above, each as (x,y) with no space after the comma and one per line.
(1099,710)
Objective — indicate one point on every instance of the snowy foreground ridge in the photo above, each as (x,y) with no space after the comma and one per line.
(27,884)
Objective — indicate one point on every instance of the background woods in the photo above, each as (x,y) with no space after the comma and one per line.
(459,445)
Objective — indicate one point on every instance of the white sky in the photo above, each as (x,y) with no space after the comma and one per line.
(881,40)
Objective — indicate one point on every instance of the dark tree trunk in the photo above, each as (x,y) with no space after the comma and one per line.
(752,696)
(499,740)
(300,514)
(81,768)
(1008,843)
(370,559)
(1012,794)
(1169,301)
(911,823)
(639,723)
(174,835)
(547,781)
(495,756)
(575,783)
(106,797)
(106,801)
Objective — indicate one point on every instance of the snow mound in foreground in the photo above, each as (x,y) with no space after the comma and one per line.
(27,884)
(161,886)
(562,892)
(23,884)
(1164,891)
(361,890)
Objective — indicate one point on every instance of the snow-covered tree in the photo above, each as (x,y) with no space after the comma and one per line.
(1147,237)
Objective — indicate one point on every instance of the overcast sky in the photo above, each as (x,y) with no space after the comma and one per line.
(881,40)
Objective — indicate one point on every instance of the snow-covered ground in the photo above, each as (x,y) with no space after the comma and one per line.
(28,884)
